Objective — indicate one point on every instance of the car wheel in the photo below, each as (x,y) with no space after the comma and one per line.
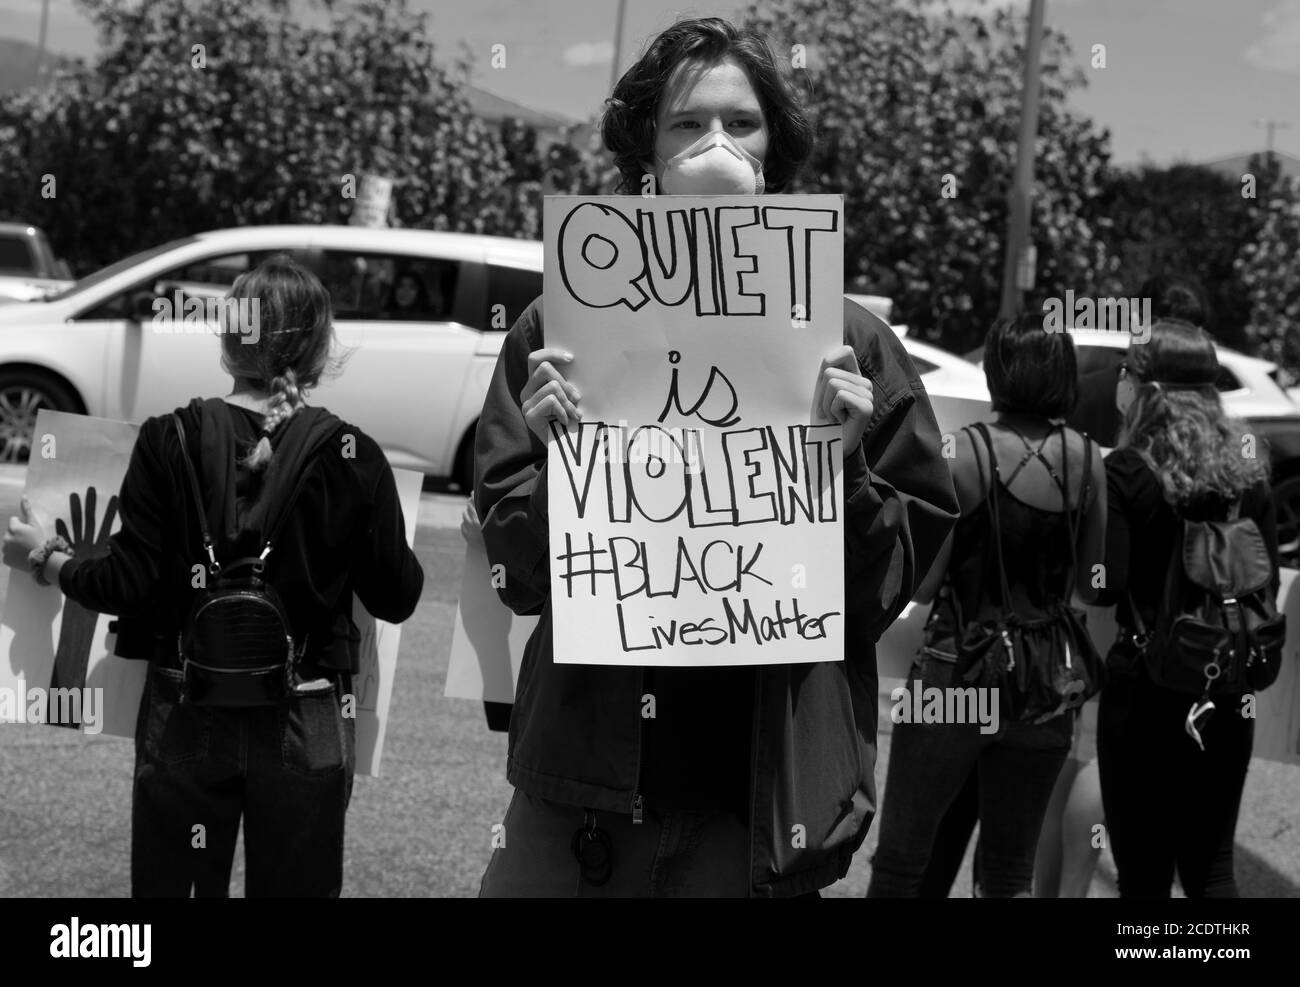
(23,393)
(1286,499)
(464,475)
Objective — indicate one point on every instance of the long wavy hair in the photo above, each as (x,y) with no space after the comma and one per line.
(1177,424)
(628,124)
(288,349)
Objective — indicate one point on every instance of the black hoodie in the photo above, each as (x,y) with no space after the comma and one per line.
(346,532)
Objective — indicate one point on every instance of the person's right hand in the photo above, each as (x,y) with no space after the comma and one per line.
(548,396)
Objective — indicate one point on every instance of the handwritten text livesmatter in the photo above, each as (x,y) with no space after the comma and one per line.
(725,260)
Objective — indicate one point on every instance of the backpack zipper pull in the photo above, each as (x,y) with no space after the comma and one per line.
(638,809)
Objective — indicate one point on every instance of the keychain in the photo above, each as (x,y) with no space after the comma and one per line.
(1200,712)
(594,851)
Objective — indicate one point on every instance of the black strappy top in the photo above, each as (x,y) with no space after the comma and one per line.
(1037,547)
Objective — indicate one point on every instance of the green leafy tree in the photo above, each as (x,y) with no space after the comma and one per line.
(917,110)
(232,112)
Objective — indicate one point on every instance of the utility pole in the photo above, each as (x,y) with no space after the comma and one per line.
(1270,126)
(618,45)
(40,44)
(1017,272)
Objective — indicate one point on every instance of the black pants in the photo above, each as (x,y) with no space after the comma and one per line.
(286,770)
(930,765)
(1169,804)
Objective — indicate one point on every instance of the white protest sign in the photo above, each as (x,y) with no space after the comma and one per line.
(49,643)
(487,643)
(379,646)
(696,511)
(374,196)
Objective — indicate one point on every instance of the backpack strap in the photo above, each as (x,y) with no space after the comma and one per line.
(285,511)
(1005,588)
(947,579)
(214,567)
(1074,518)
(1172,571)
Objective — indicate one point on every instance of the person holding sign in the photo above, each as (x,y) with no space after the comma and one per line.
(256,481)
(735,781)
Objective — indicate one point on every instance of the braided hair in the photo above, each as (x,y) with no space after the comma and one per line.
(278,332)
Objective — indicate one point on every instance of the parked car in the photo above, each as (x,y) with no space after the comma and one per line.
(957,390)
(28,267)
(1249,389)
(415,381)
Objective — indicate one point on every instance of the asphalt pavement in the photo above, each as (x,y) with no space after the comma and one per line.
(424,828)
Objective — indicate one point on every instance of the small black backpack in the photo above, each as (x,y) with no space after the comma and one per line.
(236,646)
(1218,632)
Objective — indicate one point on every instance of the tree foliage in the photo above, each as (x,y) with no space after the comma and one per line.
(1269,274)
(232,112)
(910,101)
(1186,221)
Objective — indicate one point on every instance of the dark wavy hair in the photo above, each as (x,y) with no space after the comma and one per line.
(1029,369)
(628,125)
(1177,424)
(288,348)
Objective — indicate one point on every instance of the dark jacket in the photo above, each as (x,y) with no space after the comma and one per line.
(345,533)
(575,731)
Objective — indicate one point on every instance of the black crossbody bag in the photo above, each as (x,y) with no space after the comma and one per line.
(236,647)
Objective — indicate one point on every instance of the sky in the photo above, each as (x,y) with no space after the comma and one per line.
(1185,80)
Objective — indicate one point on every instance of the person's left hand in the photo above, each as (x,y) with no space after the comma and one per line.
(843,395)
(25,535)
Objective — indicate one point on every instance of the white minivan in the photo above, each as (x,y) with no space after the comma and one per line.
(415,377)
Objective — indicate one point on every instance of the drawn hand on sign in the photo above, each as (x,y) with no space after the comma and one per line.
(470,528)
(367,679)
(77,633)
(548,396)
(843,395)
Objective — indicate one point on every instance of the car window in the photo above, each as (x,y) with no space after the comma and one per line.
(1092,360)
(509,291)
(1227,380)
(117,267)
(1095,412)
(390,287)
(15,257)
(214,272)
(207,277)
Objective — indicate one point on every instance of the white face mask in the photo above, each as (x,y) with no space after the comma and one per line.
(714,165)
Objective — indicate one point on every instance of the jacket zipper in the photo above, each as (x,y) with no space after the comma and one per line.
(638,800)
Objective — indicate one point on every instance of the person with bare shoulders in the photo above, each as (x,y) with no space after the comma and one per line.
(1047,483)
